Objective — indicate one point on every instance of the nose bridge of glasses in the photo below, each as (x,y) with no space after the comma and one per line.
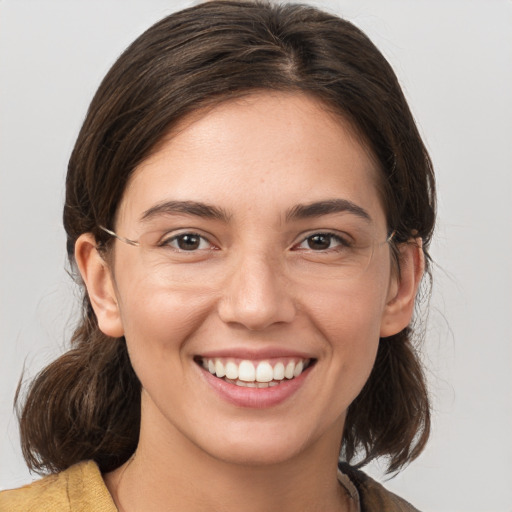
(257,267)
(256,292)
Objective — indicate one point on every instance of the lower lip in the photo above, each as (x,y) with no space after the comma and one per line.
(255,398)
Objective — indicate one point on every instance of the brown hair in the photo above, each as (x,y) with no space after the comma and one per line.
(86,405)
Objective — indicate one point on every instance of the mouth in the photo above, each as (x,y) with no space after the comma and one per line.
(255,374)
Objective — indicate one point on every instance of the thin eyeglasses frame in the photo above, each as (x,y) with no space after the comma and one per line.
(136,243)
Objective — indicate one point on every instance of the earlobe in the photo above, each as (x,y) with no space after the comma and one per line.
(400,305)
(100,286)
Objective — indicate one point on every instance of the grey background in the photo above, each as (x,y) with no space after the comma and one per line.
(454,60)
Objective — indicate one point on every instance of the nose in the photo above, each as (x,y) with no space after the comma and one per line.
(257,295)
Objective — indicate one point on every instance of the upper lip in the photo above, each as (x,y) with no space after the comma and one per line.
(255,354)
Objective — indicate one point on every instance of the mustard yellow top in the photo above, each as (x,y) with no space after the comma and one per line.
(81,488)
(78,489)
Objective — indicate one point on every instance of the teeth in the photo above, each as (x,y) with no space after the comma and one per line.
(264,372)
(246,374)
(279,371)
(246,371)
(288,372)
(231,370)
(219,369)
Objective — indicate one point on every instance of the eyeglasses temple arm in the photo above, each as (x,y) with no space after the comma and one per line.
(120,238)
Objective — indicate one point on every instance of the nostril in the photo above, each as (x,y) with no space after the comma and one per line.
(256,314)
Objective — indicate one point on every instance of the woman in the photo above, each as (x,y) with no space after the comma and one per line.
(249,206)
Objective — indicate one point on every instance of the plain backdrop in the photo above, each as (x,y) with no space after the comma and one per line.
(454,60)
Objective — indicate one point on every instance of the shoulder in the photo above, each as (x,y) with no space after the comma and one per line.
(374,497)
(78,489)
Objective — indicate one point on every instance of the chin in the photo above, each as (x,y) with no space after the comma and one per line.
(252,454)
(261,445)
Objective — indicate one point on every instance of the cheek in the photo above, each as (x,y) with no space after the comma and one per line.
(344,309)
(349,319)
(158,320)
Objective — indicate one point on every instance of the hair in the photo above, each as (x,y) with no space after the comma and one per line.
(86,404)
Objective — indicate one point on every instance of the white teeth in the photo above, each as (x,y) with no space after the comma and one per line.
(246,373)
(219,369)
(231,370)
(264,372)
(289,370)
(243,384)
(279,371)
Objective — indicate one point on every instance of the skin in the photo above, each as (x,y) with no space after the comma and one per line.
(257,286)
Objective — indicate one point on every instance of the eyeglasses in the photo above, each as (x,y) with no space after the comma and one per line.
(316,254)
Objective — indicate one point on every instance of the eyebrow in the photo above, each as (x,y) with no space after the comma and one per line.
(297,212)
(319,208)
(195,208)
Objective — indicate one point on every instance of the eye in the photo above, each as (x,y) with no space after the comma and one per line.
(322,242)
(187,242)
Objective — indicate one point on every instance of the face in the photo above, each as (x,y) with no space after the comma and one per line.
(253,306)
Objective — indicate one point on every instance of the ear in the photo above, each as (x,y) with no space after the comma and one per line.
(403,288)
(100,285)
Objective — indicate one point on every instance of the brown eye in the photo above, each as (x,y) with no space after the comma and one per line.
(188,242)
(319,242)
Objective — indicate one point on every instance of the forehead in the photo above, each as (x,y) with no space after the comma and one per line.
(265,150)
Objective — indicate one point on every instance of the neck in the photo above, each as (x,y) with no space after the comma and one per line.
(176,475)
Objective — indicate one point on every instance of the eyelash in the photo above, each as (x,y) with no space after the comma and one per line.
(341,242)
(167,242)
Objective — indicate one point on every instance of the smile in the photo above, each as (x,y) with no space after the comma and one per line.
(255,374)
